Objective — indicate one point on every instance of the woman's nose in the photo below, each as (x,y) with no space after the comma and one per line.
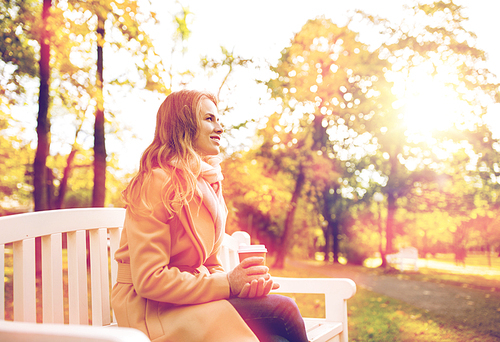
(218,128)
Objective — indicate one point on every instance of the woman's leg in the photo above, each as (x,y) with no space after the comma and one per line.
(272,318)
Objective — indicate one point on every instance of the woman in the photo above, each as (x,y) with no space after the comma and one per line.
(170,282)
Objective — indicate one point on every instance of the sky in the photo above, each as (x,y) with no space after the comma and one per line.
(260,30)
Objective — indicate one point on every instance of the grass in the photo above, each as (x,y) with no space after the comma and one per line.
(374,317)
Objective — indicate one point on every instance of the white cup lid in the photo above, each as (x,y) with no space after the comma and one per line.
(252,249)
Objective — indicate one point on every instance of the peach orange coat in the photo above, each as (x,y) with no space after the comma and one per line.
(170,282)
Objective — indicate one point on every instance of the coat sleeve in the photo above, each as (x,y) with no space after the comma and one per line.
(149,246)
(213,263)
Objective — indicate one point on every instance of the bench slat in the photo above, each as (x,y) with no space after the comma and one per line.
(228,254)
(24,281)
(99,277)
(114,243)
(52,279)
(77,278)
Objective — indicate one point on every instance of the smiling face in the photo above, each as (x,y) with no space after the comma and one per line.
(207,141)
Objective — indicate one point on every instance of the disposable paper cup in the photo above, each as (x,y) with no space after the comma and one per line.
(246,251)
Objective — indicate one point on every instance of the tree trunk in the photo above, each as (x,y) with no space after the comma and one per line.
(64,182)
(389,228)
(392,196)
(460,244)
(288,229)
(329,203)
(40,196)
(99,191)
(327,234)
(335,233)
(488,250)
(381,232)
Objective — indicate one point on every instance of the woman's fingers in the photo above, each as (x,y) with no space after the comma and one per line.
(253,288)
(257,270)
(259,291)
(263,288)
(244,291)
(267,287)
(252,261)
(254,266)
(258,288)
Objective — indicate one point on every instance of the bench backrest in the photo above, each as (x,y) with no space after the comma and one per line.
(68,280)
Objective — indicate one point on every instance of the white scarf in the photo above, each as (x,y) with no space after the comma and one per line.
(211,190)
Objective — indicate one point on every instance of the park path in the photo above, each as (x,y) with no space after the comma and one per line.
(458,269)
(466,306)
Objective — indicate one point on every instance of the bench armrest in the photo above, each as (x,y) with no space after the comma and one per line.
(336,290)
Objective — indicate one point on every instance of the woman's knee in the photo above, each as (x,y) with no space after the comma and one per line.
(285,303)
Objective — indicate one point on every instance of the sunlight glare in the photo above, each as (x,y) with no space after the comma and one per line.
(430,106)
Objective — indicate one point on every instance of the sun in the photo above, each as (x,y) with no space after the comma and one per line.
(427,103)
(432,107)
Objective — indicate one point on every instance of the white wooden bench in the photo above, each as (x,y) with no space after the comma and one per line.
(71,292)
(405,256)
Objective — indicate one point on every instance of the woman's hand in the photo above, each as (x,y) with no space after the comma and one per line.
(251,279)
(258,288)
